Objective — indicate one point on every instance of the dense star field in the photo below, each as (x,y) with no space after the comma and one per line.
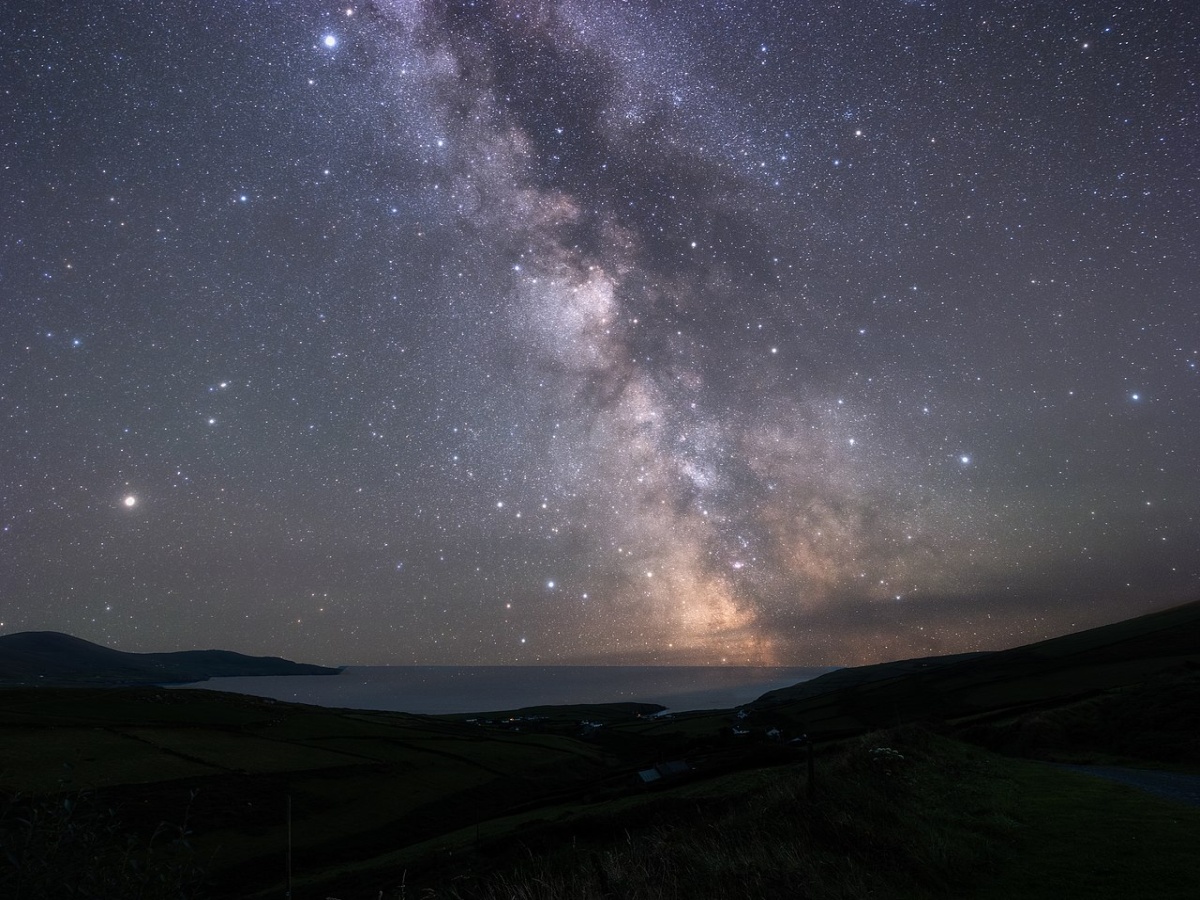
(514,331)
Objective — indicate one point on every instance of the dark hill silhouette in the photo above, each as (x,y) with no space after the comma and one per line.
(50,657)
(1002,683)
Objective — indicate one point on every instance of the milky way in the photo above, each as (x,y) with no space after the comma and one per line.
(525,332)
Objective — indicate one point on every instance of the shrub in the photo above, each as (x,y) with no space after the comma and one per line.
(70,846)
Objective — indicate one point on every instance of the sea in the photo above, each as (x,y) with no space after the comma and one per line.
(436,690)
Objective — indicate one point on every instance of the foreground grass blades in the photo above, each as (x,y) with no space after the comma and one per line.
(897,814)
(1083,837)
(537,805)
(901,813)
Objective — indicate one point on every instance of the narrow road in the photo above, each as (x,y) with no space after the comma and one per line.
(1172,785)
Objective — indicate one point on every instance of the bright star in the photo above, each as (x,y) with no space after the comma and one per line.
(130,500)
(330,41)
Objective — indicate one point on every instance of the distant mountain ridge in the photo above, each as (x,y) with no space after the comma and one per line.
(50,657)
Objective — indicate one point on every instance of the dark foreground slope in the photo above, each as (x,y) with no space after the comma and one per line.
(244,775)
(537,806)
(48,657)
(1003,684)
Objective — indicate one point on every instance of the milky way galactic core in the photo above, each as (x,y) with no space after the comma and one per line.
(528,332)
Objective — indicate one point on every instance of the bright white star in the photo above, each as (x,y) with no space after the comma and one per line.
(330,41)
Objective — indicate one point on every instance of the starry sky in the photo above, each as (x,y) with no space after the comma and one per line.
(536,331)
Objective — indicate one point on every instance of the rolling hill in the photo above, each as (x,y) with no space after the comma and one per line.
(50,657)
(403,804)
(991,685)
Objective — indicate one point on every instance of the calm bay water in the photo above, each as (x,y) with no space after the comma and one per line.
(461,689)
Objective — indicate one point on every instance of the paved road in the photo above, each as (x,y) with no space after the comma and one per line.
(1172,785)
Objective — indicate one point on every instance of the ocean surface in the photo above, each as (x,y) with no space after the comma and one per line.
(461,689)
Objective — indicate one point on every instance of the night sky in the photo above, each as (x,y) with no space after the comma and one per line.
(613,332)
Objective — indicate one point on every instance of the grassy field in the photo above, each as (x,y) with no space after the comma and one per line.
(909,800)
(899,814)
(1083,837)
(357,782)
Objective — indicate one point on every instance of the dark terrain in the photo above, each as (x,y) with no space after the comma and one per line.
(49,657)
(883,780)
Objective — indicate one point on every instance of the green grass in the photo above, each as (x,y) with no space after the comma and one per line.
(902,814)
(52,759)
(359,782)
(237,751)
(74,846)
(1084,837)
(1155,720)
(473,811)
(923,817)
(134,706)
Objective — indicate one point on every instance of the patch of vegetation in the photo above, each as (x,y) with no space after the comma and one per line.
(568,715)
(1024,679)
(1087,838)
(901,813)
(359,782)
(548,802)
(1157,720)
(73,846)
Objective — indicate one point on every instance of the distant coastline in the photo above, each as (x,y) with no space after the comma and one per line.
(50,658)
(444,690)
